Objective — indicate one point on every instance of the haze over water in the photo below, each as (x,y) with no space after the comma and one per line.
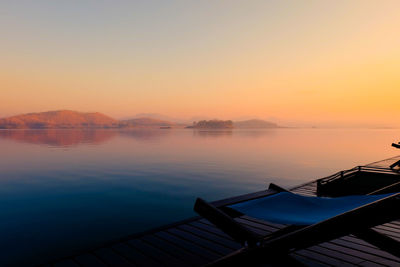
(95,64)
(64,190)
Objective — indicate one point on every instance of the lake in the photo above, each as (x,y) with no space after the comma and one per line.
(65,190)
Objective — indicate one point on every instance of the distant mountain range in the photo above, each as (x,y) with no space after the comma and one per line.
(148,122)
(65,119)
(156,116)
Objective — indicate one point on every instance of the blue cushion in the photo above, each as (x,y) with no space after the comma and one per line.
(289,208)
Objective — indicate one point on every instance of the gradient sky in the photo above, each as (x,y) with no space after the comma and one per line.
(300,62)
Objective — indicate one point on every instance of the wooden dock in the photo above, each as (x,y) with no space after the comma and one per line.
(195,242)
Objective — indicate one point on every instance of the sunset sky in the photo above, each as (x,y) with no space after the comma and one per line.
(297,62)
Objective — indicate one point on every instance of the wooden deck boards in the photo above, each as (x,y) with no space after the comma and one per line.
(196,242)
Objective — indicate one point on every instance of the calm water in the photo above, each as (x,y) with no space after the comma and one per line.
(64,190)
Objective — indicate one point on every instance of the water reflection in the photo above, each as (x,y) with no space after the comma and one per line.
(127,181)
(251,133)
(75,137)
(212,133)
(145,134)
(59,138)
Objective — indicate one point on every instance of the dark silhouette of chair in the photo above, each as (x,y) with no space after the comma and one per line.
(372,211)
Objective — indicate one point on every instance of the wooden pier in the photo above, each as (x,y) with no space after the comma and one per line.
(195,242)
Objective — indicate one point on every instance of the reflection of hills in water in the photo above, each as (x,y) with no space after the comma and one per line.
(73,137)
(212,133)
(61,138)
(145,134)
(233,132)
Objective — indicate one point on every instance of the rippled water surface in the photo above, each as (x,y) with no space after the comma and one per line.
(65,190)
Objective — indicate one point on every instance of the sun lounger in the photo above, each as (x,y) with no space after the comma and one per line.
(310,220)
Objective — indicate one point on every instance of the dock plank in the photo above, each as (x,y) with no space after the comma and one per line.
(307,262)
(229,244)
(134,256)
(186,256)
(193,248)
(214,230)
(155,253)
(335,254)
(322,258)
(202,242)
(374,251)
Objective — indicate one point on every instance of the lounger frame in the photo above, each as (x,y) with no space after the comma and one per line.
(291,238)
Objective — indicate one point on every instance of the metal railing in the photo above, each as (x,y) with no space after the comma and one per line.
(350,172)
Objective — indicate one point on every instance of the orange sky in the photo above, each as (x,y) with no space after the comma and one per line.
(299,62)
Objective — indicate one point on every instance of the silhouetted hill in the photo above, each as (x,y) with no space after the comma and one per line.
(147,122)
(253,124)
(65,119)
(58,119)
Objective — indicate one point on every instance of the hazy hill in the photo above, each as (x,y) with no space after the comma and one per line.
(147,122)
(212,124)
(72,119)
(155,116)
(59,119)
(252,124)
